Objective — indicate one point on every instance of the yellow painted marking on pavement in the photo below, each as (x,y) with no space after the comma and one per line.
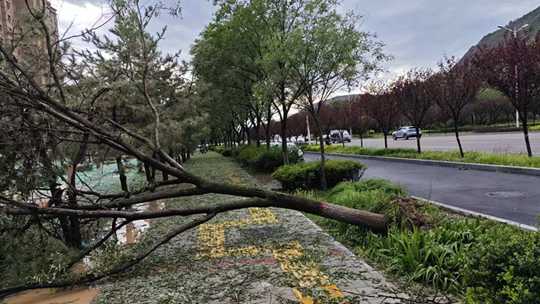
(303,299)
(211,240)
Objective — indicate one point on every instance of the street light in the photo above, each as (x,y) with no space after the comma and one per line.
(515,32)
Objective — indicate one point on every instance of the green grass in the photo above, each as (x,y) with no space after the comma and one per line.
(478,261)
(518,160)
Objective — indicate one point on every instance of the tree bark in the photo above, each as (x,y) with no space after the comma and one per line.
(148,173)
(525,127)
(456,132)
(257,137)
(122,173)
(322,170)
(268,125)
(284,148)
(418,147)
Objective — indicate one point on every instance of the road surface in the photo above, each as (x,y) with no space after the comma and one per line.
(487,142)
(509,196)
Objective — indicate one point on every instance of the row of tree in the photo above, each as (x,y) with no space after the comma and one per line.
(487,88)
(261,59)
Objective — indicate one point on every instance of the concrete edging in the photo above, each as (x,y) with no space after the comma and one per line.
(441,163)
(476,214)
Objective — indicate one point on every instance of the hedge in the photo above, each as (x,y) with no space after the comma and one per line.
(260,158)
(307,175)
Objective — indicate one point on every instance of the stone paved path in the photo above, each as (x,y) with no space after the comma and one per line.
(250,256)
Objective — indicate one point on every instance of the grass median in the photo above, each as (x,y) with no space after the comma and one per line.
(476,260)
(517,160)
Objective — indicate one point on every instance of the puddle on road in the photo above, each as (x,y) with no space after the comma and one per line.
(51,296)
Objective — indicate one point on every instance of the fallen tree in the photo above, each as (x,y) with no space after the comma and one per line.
(73,109)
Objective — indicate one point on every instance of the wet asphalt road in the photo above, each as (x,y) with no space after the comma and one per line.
(488,142)
(509,196)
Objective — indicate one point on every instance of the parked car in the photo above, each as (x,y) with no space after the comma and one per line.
(338,136)
(292,147)
(406,132)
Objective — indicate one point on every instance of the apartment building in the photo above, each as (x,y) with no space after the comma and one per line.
(23,35)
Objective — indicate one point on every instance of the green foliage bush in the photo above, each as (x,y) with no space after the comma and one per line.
(307,175)
(217,149)
(479,260)
(264,160)
(503,267)
(29,256)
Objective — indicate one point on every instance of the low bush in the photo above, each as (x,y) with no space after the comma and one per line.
(519,160)
(266,160)
(307,175)
(217,149)
(503,266)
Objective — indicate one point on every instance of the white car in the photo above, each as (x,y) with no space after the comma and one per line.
(406,132)
(292,147)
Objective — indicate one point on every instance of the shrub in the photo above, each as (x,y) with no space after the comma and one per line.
(434,257)
(217,149)
(261,159)
(228,152)
(503,266)
(307,175)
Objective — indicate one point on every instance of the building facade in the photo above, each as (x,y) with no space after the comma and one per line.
(7,19)
(23,35)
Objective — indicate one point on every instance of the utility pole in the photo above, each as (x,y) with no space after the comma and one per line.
(515,32)
(308,131)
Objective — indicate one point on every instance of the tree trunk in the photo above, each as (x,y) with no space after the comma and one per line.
(284,148)
(247,134)
(456,131)
(525,127)
(418,147)
(122,173)
(385,140)
(268,124)
(257,136)
(148,173)
(361,140)
(268,138)
(322,170)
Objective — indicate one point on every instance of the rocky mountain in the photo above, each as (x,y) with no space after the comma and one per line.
(495,38)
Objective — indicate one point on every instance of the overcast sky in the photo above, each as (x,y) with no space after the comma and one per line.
(417,33)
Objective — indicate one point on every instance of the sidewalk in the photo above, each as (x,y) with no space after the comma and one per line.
(250,256)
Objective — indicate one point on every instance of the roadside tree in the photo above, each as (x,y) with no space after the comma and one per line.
(513,68)
(329,55)
(458,85)
(416,94)
(381,104)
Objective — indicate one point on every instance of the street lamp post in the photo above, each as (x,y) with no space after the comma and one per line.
(515,32)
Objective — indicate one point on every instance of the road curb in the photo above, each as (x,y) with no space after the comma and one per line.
(441,163)
(476,214)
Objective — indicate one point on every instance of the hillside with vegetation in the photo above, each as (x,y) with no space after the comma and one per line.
(495,38)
